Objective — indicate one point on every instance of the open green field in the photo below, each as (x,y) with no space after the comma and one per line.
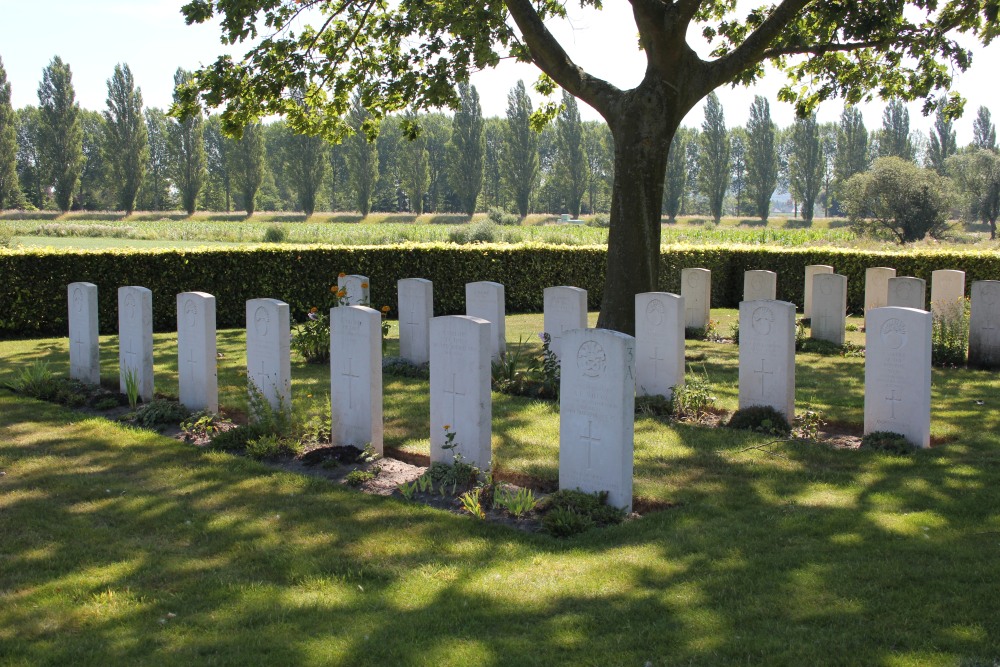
(96,230)
(123,547)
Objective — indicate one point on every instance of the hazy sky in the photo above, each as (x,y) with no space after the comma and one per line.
(150,35)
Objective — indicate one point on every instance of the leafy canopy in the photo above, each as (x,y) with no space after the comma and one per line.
(411,53)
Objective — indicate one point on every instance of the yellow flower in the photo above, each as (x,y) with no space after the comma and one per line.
(342,292)
(447,426)
(364,285)
(333,288)
(385,309)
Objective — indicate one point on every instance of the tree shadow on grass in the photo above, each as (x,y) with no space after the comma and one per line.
(121,546)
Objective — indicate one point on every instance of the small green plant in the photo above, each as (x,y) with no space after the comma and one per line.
(385,328)
(653,405)
(692,400)
(425,483)
(518,502)
(271,446)
(131,378)
(106,403)
(271,419)
(950,334)
(851,327)
(504,371)
(407,490)
(887,441)
(311,338)
(356,478)
(800,334)
(36,380)
(160,412)
(808,423)
(202,424)
(472,504)
(734,331)
(548,369)
(760,419)
(568,512)
(710,332)
(275,234)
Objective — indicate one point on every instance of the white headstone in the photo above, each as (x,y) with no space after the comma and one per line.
(485,300)
(984,324)
(460,389)
(767,355)
(898,373)
(696,289)
(357,288)
(907,292)
(356,376)
(565,309)
(268,354)
(84,342)
(197,374)
(135,339)
(811,271)
(829,307)
(659,343)
(416,308)
(947,293)
(877,286)
(597,414)
(760,285)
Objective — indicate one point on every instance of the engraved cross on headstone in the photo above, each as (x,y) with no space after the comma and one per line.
(656,358)
(455,393)
(130,357)
(191,362)
(411,315)
(589,439)
(762,373)
(79,360)
(892,403)
(351,376)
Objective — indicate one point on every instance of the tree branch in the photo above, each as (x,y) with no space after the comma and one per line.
(551,58)
(753,48)
(820,49)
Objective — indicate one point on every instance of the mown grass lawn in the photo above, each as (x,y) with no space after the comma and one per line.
(118,546)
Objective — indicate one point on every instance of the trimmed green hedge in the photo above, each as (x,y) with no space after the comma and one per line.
(33,282)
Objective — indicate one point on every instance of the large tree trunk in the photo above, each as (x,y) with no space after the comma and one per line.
(642,133)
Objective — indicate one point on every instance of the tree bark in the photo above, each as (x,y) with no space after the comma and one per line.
(643,127)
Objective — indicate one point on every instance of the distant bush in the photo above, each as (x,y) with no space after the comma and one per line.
(89,231)
(481,231)
(275,234)
(500,217)
(599,220)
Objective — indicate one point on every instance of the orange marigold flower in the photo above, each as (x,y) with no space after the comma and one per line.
(385,309)
(334,288)
(314,309)
(341,274)
(447,426)
(364,285)
(342,292)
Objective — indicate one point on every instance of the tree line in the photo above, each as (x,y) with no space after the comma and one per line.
(126,157)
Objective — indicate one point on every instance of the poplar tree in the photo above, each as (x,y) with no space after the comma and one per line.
(738,159)
(61,132)
(805,164)
(894,139)
(675,182)
(219,188)
(30,170)
(187,148)
(126,139)
(155,192)
(852,148)
(413,170)
(10,188)
(362,156)
(984,133)
(942,142)
(714,166)
(762,157)
(466,148)
(303,160)
(246,165)
(572,160)
(519,159)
